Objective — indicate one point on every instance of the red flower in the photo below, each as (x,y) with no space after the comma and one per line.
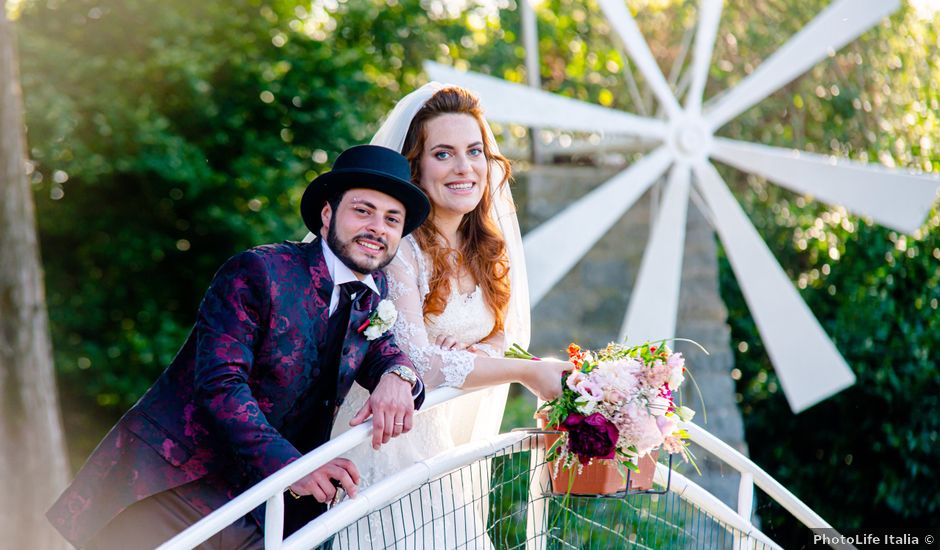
(591,436)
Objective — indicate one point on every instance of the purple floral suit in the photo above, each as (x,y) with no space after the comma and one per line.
(241,389)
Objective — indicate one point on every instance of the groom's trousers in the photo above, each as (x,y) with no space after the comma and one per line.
(152,521)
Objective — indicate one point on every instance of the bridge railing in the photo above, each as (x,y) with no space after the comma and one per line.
(271,490)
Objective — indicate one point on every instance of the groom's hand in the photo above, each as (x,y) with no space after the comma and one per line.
(320,482)
(391,406)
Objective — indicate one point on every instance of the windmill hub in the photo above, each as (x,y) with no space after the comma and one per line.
(690,139)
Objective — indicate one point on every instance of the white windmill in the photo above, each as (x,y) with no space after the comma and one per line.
(809,366)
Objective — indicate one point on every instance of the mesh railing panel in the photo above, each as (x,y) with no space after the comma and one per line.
(488,504)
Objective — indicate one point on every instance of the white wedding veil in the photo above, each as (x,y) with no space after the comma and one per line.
(487,418)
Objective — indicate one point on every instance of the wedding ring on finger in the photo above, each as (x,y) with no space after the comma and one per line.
(338,495)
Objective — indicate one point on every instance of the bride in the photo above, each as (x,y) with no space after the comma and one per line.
(458,283)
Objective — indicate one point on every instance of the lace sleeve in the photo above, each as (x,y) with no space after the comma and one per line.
(494,346)
(408,286)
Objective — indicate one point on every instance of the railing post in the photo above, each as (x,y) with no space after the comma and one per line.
(537,506)
(274,522)
(746,506)
(746,496)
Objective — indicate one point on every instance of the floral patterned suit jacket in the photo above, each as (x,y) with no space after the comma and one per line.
(226,408)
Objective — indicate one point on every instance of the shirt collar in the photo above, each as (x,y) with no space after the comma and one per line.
(340,272)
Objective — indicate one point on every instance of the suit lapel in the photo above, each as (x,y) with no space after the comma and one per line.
(323,285)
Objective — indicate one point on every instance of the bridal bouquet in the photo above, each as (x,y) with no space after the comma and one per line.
(618,404)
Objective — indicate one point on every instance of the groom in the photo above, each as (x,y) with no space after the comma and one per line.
(277,343)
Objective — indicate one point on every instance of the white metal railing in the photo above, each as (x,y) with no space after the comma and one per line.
(271,490)
(752,474)
(390,489)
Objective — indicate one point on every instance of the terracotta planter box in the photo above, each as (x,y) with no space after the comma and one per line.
(600,477)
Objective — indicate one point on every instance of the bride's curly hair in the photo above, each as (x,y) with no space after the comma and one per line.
(484,253)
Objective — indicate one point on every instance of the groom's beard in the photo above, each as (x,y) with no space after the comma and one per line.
(344,251)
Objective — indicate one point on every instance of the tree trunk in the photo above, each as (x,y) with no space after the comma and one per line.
(33,466)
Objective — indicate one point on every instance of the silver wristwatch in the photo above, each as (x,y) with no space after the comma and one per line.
(404,373)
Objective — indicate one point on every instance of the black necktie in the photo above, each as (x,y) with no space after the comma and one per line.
(337,325)
(320,402)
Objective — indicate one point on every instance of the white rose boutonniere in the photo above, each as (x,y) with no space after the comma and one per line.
(380,321)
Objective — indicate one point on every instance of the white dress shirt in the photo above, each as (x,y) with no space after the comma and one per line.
(340,273)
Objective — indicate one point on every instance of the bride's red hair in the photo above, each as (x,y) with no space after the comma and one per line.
(484,250)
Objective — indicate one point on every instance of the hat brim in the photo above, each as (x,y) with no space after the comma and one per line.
(416,203)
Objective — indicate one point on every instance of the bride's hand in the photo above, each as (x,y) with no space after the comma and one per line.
(448,343)
(544,377)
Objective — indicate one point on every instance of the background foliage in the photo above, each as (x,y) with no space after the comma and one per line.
(166,136)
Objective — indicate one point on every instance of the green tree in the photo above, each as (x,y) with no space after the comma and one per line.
(166,137)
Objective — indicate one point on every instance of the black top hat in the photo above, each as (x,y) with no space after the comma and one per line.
(371,167)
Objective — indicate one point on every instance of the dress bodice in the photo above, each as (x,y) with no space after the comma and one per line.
(466,317)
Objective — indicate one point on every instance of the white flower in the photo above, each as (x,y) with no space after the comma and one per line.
(381,320)
(676,365)
(586,405)
(387,312)
(684,413)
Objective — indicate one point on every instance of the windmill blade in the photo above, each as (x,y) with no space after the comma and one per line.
(554,247)
(708,19)
(508,102)
(836,26)
(621,20)
(808,364)
(896,198)
(654,302)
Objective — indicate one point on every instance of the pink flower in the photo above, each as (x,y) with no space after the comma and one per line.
(637,427)
(590,389)
(657,374)
(614,396)
(673,444)
(574,379)
(667,425)
(659,405)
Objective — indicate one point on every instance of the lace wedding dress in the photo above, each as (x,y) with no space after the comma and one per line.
(455,502)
